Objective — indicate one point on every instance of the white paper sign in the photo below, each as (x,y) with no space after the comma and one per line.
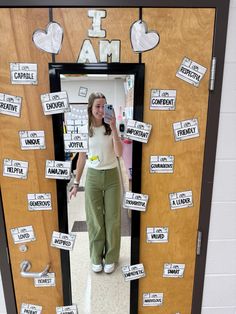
(45,281)
(163,99)
(191,71)
(15,168)
(40,201)
(30,309)
(72,309)
(186,129)
(174,270)
(24,73)
(181,199)
(55,103)
(157,234)
(76,126)
(138,131)
(152,299)
(32,140)
(132,272)
(77,116)
(10,105)
(58,169)
(162,164)
(135,201)
(75,142)
(23,234)
(63,241)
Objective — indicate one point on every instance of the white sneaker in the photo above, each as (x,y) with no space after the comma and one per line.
(109,268)
(97,268)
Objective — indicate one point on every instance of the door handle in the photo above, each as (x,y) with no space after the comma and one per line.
(25,267)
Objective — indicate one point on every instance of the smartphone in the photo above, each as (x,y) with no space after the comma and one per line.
(108,113)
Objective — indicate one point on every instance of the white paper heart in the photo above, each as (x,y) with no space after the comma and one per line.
(49,40)
(141,39)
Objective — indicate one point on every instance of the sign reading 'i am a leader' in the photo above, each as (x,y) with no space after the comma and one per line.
(72,309)
(191,71)
(15,168)
(40,201)
(58,169)
(10,105)
(157,234)
(132,272)
(23,234)
(161,164)
(55,103)
(45,281)
(63,241)
(24,73)
(174,270)
(152,299)
(32,140)
(135,201)
(181,199)
(30,309)
(138,131)
(185,130)
(162,99)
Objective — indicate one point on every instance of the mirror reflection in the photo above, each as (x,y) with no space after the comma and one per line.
(95,193)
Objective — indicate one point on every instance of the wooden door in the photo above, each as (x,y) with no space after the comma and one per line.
(183,33)
(16,29)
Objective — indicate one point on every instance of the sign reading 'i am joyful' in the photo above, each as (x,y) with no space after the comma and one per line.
(30,309)
(58,169)
(75,142)
(152,299)
(24,73)
(32,140)
(10,105)
(15,168)
(40,201)
(186,129)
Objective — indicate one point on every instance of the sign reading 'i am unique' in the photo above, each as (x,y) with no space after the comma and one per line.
(32,140)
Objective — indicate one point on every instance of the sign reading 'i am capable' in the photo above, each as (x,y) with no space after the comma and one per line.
(58,169)
(10,105)
(163,99)
(157,234)
(152,299)
(132,272)
(40,201)
(24,73)
(162,164)
(72,309)
(181,199)
(185,130)
(174,270)
(47,280)
(30,309)
(74,143)
(23,234)
(135,201)
(191,71)
(15,168)
(63,241)
(32,140)
(138,131)
(55,103)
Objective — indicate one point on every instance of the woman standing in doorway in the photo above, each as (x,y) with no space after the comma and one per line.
(102,187)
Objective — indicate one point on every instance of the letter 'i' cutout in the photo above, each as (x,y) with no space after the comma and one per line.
(97,16)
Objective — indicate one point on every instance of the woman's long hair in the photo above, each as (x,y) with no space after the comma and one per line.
(91,99)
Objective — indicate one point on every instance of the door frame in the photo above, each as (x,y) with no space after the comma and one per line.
(218,51)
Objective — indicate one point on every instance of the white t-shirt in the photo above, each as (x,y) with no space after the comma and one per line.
(101,153)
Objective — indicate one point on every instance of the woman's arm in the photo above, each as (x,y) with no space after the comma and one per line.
(118,148)
(79,170)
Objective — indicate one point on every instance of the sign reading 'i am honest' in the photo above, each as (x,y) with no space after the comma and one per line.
(10,105)
(15,168)
(24,73)
(32,140)
(40,201)
(58,169)
(30,309)
(45,281)
(185,130)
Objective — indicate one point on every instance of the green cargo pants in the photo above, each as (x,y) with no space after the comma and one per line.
(103,214)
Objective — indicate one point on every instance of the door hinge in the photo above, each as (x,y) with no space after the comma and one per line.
(199,242)
(212,74)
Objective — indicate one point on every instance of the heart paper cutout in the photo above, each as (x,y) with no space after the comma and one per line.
(141,39)
(49,40)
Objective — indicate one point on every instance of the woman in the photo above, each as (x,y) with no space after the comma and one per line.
(102,187)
